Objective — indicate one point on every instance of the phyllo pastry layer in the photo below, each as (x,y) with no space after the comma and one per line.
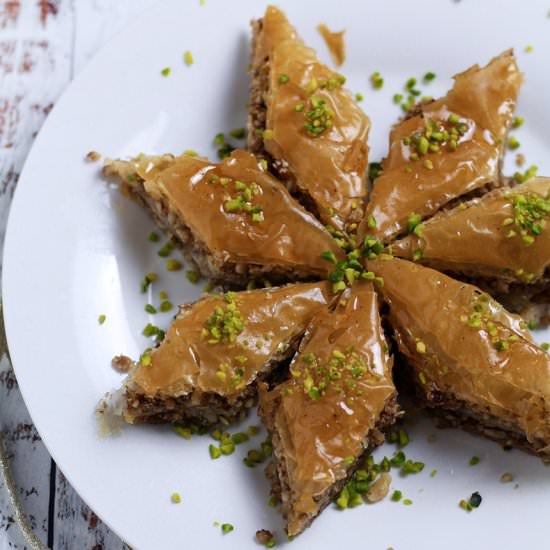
(474,364)
(233,220)
(305,123)
(337,401)
(446,149)
(500,241)
(216,350)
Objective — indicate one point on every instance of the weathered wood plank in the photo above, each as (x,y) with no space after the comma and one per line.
(42,43)
(29,462)
(76,526)
(35,66)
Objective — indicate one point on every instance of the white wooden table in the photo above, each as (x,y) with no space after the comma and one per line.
(43,45)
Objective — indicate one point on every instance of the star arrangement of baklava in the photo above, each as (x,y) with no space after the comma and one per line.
(436,247)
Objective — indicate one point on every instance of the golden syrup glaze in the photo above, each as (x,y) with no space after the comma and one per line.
(331,167)
(435,319)
(484,100)
(196,190)
(335,43)
(319,435)
(188,361)
(474,238)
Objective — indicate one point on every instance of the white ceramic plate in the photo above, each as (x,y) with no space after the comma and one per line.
(76,249)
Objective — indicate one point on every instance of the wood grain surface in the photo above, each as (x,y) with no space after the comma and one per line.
(43,45)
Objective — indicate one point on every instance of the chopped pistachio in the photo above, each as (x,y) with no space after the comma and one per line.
(165,306)
(375,169)
(359,96)
(225,151)
(474,460)
(166,71)
(328,256)
(529,49)
(283,78)
(152,331)
(147,280)
(407,502)
(182,431)
(376,80)
(101,319)
(149,308)
(173,265)
(531,172)
(153,237)
(433,473)
(518,122)
(240,437)
(397,98)
(227,528)
(193,276)
(238,133)
(410,84)
(166,249)
(175,498)
(411,467)
(188,58)
(319,117)
(413,221)
(420,346)
(396,496)
(214,451)
(429,77)
(403,438)
(513,143)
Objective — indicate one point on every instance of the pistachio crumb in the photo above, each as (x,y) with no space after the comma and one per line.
(193,276)
(173,265)
(376,80)
(102,318)
(188,58)
(175,498)
(166,71)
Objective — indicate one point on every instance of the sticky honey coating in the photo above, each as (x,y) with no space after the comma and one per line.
(221,343)
(240,212)
(453,146)
(340,382)
(504,234)
(335,43)
(327,161)
(462,343)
